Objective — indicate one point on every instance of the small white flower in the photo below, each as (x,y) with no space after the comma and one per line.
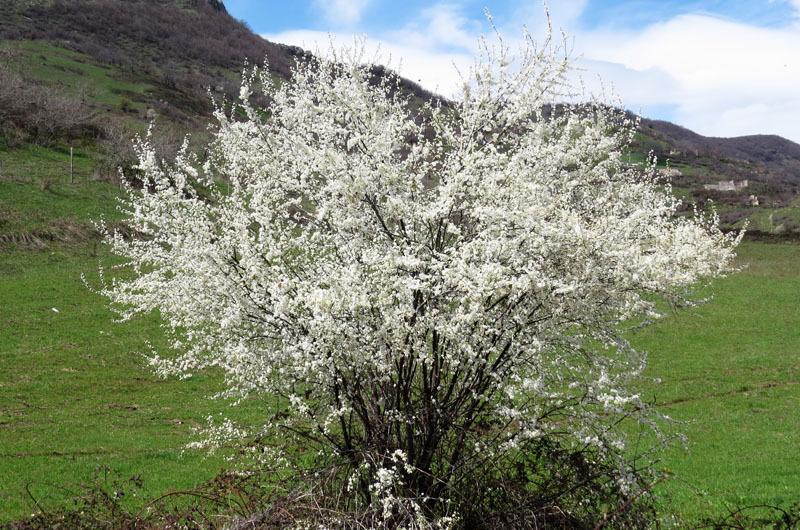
(340,253)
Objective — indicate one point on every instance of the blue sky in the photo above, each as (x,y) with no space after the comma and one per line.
(721,68)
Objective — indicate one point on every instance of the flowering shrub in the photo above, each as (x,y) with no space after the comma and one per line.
(422,294)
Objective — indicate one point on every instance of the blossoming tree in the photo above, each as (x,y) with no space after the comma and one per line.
(423,290)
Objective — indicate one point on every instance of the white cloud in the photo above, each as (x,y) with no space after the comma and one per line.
(649,87)
(717,77)
(726,78)
(704,53)
(781,118)
(440,25)
(434,70)
(342,12)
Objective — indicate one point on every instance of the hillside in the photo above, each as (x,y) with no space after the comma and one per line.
(91,74)
(765,170)
(180,47)
(191,43)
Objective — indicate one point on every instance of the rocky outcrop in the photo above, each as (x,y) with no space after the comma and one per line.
(218,5)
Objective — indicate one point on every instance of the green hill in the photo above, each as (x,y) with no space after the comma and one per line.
(95,72)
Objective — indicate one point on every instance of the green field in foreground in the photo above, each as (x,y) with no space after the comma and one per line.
(731,369)
(75,393)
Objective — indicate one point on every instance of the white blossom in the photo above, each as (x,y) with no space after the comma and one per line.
(377,264)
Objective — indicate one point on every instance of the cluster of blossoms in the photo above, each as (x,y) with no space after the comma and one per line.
(418,287)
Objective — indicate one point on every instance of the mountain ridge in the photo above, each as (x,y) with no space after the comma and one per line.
(180,48)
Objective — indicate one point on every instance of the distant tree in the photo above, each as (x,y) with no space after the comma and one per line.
(432,308)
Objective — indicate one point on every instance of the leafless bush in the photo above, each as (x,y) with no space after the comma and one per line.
(57,117)
(12,89)
(30,111)
(119,156)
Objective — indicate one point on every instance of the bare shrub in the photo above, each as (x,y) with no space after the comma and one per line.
(31,111)
(118,159)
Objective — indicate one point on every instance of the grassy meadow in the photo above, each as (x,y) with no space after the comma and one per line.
(75,393)
(730,369)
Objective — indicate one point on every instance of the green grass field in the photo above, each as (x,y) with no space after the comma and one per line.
(75,393)
(78,74)
(731,370)
(26,208)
